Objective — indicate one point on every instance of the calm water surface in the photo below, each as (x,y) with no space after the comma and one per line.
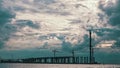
(12,65)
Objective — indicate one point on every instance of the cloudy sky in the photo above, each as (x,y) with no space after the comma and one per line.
(37,27)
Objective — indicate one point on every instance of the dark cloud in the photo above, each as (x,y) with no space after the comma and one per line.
(42,38)
(5,33)
(114,35)
(107,7)
(62,36)
(101,16)
(24,23)
(80,5)
(1,44)
(107,34)
(112,10)
(66,46)
(82,45)
(115,19)
(5,15)
(6,29)
(54,11)
(45,1)
(46,37)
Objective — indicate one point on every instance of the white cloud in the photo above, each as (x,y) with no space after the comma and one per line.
(69,17)
(105,44)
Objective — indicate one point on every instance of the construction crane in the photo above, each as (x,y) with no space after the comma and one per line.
(73,53)
(91,50)
(54,52)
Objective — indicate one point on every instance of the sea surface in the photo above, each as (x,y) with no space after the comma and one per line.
(20,65)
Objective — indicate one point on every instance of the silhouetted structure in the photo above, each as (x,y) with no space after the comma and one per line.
(54,51)
(51,60)
(91,57)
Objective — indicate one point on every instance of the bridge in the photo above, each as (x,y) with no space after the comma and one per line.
(57,60)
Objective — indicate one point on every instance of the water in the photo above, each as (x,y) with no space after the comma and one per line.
(12,65)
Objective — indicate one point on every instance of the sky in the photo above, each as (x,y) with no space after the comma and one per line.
(33,28)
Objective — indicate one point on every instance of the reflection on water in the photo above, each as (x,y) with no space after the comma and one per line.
(57,66)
